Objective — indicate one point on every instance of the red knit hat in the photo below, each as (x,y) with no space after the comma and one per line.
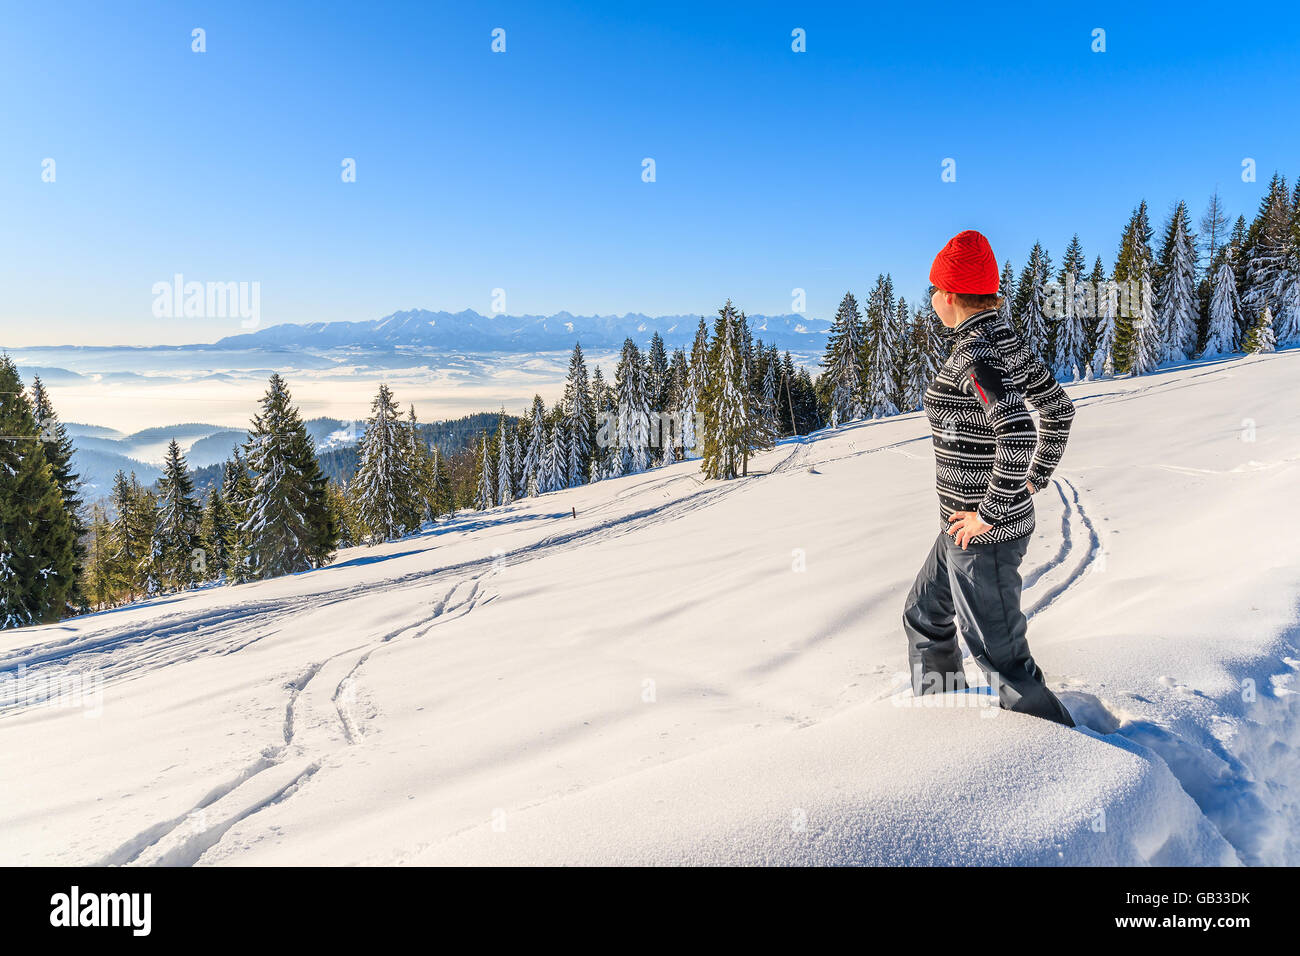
(966,264)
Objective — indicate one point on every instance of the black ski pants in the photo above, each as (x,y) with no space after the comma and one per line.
(978,587)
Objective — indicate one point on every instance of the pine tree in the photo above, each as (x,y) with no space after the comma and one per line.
(536,447)
(656,382)
(1260,338)
(383,487)
(1007,290)
(1066,334)
(1094,304)
(290,525)
(555,460)
(633,410)
(1177,301)
(581,421)
(900,372)
(696,385)
(1267,260)
(131,533)
(1225,312)
(1132,275)
(878,354)
(1148,346)
(351,531)
(1103,350)
(176,535)
(216,534)
(423,476)
(760,430)
(38,556)
(237,489)
(843,363)
(1214,227)
(926,349)
(725,422)
(1031,300)
(99,589)
(58,452)
(505,469)
(768,395)
(443,496)
(678,408)
(483,497)
(605,437)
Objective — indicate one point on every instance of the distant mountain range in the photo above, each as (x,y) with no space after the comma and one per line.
(468,331)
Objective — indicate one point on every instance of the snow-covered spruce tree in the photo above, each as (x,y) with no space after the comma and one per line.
(1133,267)
(1007,289)
(1095,293)
(1225,312)
(135,515)
(536,448)
(925,350)
(1260,338)
(505,467)
(1068,348)
(878,351)
(443,495)
(424,480)
(1031,301)
(760,429)
(693,399)
(843,363)
(678,383)
(604,436)
(483,496)
(1148,344)
(771,375)
(98,585)
(555,460)
(351,533)
(633,411)
(517,434)
(384,487)
(656,368)
(1266,257)
(580,413)
(176,535)
(1177,304)
(725,413)
(58,452)
(215,533)
(900,384)
(1065,329)
(38,555)
(290,525)
(1103,355)
(237,489)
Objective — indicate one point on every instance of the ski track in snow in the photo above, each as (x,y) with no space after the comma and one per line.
(182,840)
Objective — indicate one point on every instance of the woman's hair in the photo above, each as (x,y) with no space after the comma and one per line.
(968,301)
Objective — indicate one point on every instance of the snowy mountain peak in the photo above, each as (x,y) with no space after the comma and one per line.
(468,330)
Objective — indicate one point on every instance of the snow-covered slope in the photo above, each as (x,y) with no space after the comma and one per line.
(655,680)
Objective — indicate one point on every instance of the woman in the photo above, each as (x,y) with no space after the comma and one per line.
(989,459)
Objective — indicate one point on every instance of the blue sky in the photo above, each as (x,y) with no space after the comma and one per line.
(522,170)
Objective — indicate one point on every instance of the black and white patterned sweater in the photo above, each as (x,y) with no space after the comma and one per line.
(985,442)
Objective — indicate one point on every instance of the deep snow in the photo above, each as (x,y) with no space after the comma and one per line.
(704,672)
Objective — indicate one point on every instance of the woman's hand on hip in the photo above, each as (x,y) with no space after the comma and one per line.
(967,525)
